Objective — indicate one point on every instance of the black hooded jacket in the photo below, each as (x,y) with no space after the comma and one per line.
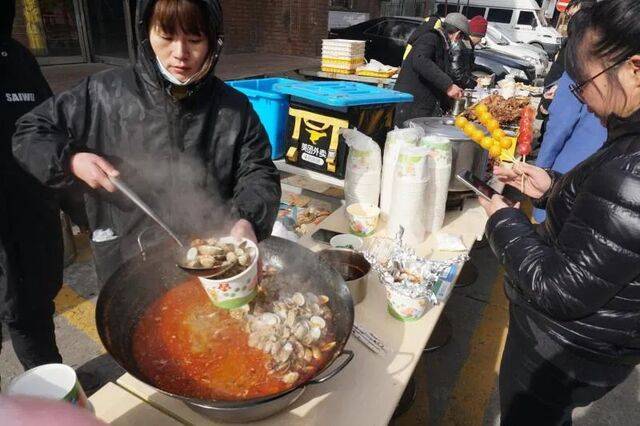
(424,75)
(578,277)
(201,162)
(31,252)
(463,59)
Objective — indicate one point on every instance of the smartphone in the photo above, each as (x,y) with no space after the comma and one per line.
(324,235)
(478,186)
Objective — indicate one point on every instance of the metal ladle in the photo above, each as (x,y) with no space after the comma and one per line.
(181,260)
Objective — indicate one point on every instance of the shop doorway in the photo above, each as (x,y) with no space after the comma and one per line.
(76,31)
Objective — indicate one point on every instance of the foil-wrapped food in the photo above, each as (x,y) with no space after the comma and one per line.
(402,271)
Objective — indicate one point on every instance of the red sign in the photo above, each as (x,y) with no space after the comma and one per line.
(562,5)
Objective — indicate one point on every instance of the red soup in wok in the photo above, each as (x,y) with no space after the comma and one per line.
(185,345)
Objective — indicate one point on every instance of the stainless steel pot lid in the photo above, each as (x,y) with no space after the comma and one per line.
(435,126)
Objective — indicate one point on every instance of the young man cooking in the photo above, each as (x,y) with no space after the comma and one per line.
(190,145)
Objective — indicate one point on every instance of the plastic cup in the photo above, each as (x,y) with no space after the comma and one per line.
(57,382)
(234,292)
(363,219)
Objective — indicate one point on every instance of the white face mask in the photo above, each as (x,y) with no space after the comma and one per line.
(170,77)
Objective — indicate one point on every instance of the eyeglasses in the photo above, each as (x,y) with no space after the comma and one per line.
(577,89)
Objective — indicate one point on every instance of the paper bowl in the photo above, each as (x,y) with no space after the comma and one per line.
(405,308)
(363,219)
(347,241)
(234,292)
(50,381)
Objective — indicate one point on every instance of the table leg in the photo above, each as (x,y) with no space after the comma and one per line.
(407,399)
(441,334)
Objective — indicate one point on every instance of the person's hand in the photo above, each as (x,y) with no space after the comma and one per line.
(454,92)
(497,203)
(550,93)
(244,229)
(536,180)
(93,170)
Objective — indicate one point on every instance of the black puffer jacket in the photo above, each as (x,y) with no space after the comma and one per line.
(202,161)
(29,213)
(424,75)
(462,61)
(578,278)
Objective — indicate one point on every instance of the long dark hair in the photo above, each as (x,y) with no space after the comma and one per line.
(613,29)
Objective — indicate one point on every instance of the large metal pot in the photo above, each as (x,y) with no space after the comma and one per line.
(144,279)
(467,155)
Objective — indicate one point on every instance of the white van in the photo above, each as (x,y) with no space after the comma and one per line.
(522,20)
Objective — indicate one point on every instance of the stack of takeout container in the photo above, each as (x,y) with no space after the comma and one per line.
(342,56)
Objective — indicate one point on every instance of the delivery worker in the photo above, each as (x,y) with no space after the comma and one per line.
(31,248)
(424,71)
(190,145)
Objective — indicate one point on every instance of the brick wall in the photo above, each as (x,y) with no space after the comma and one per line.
(288,27)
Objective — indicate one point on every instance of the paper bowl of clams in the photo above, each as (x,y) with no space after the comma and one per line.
(238,258)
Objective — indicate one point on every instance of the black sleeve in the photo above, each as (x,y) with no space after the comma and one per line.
(257,191)
(461,69)
(596,254)
(422,62)
(47,136)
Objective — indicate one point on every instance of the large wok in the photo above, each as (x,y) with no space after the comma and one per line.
(144,279)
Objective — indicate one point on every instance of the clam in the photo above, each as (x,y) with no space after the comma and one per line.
(206,261)
(231,257)
(298,299)
(317,354)
(209,250)
(323,299)
(192,254)
(197,242)
(291,377)
(282,367)
(328,346)
(315,333)
(291,318)
(308,355)
(318,322)
(269,319)
(243,260)
(301,330)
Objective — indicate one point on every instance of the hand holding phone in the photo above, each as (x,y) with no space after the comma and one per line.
(480,187)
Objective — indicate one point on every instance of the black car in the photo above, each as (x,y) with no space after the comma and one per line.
(387,37)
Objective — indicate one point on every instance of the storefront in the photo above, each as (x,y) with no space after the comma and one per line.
(72,31)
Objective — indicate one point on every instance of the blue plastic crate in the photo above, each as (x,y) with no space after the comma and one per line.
(272,107)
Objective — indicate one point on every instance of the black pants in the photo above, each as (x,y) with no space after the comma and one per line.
(533,391)
(34,341)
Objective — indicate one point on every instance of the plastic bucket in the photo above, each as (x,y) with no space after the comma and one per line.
(272,108)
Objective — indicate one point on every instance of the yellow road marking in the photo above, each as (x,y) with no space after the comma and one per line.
(79,312)
(477,378)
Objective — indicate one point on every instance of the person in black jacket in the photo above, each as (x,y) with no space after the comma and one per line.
(463,55)
(31,255)
(424,71)
(190,145)
(574,282)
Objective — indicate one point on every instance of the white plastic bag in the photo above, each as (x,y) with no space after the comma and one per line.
(364,167)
